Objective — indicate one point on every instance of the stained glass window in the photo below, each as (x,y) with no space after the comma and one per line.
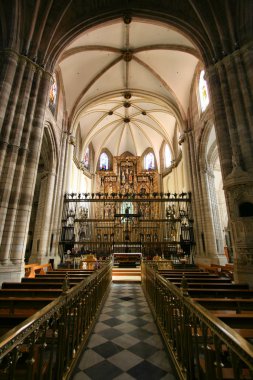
(104,162)
(203,91)
(86,158)
(167,156)
(53,94)
(149,161)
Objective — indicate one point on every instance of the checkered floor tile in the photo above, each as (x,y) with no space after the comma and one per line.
(125,343)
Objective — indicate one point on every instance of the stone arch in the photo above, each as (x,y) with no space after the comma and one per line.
(151,12)
(40,237)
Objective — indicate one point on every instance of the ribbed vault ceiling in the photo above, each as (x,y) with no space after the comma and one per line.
(127,85)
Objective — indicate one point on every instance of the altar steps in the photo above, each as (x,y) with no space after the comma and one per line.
(126,275)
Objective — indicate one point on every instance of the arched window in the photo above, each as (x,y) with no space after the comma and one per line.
(149,161)
(86,159)
(104,162)
(203,91)
(167,156)
(53,94)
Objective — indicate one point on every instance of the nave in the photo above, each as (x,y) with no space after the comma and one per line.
(125,343)
(89,324)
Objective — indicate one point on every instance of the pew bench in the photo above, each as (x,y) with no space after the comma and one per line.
(210,285)
(70,272)
(199,280)
(236,321)
(51,280)
(220,293)
(35,285)
(186,274)
(33,293)
(23,307)
(62,275)
(81,271)
(230,304)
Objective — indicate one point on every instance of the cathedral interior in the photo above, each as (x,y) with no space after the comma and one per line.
(126,128)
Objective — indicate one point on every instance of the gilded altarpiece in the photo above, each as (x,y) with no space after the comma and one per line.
(128,212)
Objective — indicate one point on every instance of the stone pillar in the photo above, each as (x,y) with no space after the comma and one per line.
(21,117)
(70,158)
(19,169)
(29,178)
(231,94)
(193,177)
(12,133)
(59,193)
(204,227)
(8,62)
(185,150)
(217,241)
(40,252)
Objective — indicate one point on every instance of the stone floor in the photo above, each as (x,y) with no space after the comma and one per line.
(125,343)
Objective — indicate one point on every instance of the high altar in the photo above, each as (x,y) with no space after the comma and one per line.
(127,213)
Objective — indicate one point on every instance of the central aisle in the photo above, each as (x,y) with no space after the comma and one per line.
(125,343)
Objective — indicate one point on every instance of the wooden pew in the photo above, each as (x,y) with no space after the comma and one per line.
(199,280)
(68,273)
(226,270)
(189,274)
(236,305)
(231,303)
(192,275)
(51,280)
(212,285)
(220,293)
(35,285)
(238,321)
(32,269)
(22,307)
(62,275)
(19,301)
(32,293)
(87,271)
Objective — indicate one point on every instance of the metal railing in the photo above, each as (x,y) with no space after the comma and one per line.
(201,346)
(46,345)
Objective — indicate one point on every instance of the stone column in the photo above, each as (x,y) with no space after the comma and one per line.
(12,134)
(9,62)
(59,193)
(70,158)
(20,168)
(29,177)
(232,95)
(204,228)
(203,201)
(216,237)
(44,219)
(193,178)
(24,97)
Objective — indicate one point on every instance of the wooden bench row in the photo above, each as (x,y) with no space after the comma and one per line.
(19,301)
(232,303)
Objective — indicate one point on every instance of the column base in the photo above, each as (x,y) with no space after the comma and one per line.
(10,273)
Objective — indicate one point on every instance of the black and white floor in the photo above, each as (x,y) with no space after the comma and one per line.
(125,343)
